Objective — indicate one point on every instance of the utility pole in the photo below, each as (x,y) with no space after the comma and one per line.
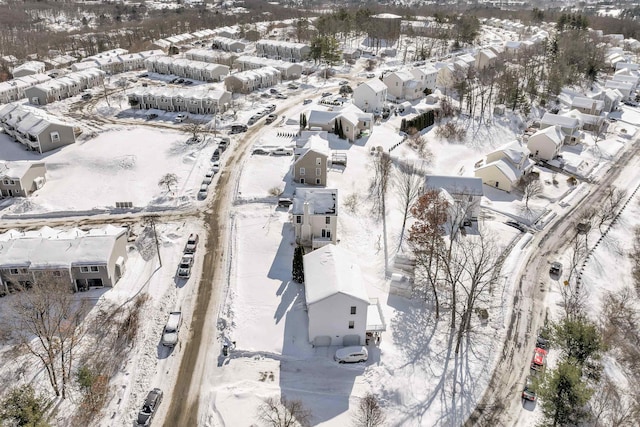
(152,221)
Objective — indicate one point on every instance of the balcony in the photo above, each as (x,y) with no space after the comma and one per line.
(318,242)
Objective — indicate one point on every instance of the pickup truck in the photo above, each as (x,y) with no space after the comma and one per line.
(171,329)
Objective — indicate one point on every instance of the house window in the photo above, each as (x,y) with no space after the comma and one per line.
(327,220)
(55,136)
(14,271)
(353,309)
(84,269)
(352,324)
(94,269)
(318,172)
(318,161)
(317,181)
(56,273)
(298,219)
(302,171)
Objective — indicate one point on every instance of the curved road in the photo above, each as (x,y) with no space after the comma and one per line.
(501,404)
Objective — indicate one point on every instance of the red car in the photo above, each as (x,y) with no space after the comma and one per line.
(539,358)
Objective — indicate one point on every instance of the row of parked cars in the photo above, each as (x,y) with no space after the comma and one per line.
(538,364)
(260,114)
(223,143)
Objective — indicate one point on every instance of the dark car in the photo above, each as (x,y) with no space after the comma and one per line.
(261,151)
(325,94)
(271,118)
(238,128)
(284,202)
(188,82)
(86,96)
(150,407)
(273,91)
(516,225)
(556,269)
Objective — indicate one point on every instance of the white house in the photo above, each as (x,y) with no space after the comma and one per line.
(465,191)
(402,84)
(485,58)
(427,76)
(315,216)
(28,68)
(336,298)
(587,105)
(504,167)
(625,88)
(370,96)
(546,143)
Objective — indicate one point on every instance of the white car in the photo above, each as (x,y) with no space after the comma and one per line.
(171,329)
(184,269)
(282,151)
(354,354)
(215,166)
(204,190)
(180,118)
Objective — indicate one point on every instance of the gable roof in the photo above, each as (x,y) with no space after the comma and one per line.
(507,169)
(322,201)
(455,184)
(556,119)
(375,85)
(332,270)
(553,133)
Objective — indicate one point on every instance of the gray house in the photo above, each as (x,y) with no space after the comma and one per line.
(35,129)
(94,258)
(20,178)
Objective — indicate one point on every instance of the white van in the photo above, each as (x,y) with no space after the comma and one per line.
(354,354)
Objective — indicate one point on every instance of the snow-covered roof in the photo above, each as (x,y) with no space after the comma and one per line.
(375,84)
(33,66)
(507,168)
(556,119)
(455,184)
(331,270)
(266,62)
(321,117)
(513,151)
(321,201)
(15,169)
(553,133)
(48,248)
(584,102)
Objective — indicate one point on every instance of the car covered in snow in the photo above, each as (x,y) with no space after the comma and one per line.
(184,269)
(192,244)
(202,193)
(180,118)
(271,118)
(171,329)
(539,359)
(282,151)
(149,407)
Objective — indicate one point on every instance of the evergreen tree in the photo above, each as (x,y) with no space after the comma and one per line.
(564,395)
(298,266)
(22,407)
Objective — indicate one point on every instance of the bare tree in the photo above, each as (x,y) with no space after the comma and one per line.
(427,241)
(282,412)
(368,413)
(482,265)
(613,201)
(168,180)
(610,407)
(195,130)
(531,187)
(48,321)
(408,185)
(380,182)
(574,295)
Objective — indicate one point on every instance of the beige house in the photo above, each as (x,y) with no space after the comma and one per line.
(248,81)
(315,216)
(84,259)
(546,143)
(182,67)
(35,129)
(64,87)
(485,58)
(21,178)
(202,99)
(310,163)
(587,105)
(504,167)
(287,51)
(288,70)
(570,126)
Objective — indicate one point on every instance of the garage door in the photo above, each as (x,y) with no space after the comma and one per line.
(351,340)
(322,341)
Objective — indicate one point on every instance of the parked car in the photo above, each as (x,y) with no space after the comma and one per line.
(216,155)
(143,75)
(207,179)
(293,86)
(270,108)
(354,354)
(281,96)
(265,95)
(180,81)
(149,407)
(152,116)
(215,166)
(282,151)
(238,128)
(171,329)
(325,94)
(271,118)
(86,96)
(202,193)
(343,82)
(516,225)
(284,202)
(370,75)
(188,82)
(180,118)
(539,359)
(259,150)
(556,269)
(307,101)
(273,91)
(192,244)
(184,269)
(529,393)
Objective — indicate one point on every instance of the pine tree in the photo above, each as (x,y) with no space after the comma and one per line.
(335,127)
(403,125)
(298,266)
